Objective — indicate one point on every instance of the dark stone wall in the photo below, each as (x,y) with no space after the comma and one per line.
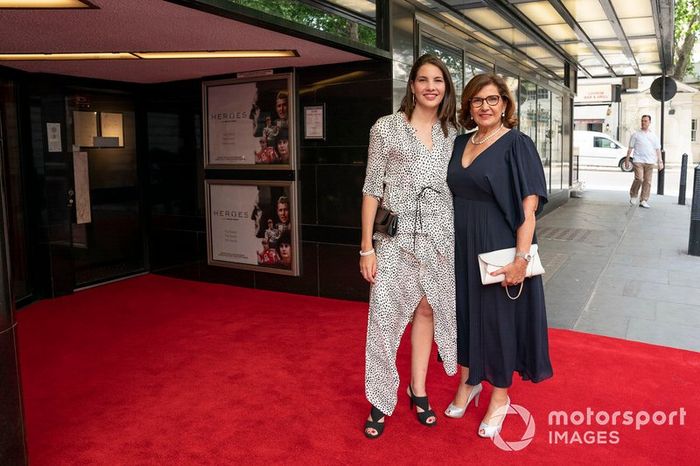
(330,175)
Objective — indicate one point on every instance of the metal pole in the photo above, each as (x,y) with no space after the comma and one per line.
(660,182)
(694,240)
(684,175)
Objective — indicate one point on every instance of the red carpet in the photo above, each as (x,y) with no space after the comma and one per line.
(155,370)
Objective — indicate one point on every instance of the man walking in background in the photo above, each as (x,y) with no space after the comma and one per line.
(647,154)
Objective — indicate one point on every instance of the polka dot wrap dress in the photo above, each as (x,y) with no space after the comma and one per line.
(409,179)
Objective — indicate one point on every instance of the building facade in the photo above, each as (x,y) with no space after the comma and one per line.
(109,116)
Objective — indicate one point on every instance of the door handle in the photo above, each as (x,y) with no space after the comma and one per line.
(71,198)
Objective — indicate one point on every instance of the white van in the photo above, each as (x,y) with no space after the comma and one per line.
(599,149)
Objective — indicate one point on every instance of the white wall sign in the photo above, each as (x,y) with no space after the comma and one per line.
(81,177)
(314,124)
(594,93)
(53,136)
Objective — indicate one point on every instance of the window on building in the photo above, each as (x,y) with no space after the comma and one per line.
(694,130)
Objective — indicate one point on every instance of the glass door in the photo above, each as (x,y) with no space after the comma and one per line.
(106,232)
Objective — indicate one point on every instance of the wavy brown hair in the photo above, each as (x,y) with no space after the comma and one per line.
(447,108)
(473,87)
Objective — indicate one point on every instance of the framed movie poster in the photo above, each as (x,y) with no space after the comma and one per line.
(249,123)
(253,225)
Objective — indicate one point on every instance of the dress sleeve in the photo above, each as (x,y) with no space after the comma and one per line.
(378,154)
(526,178)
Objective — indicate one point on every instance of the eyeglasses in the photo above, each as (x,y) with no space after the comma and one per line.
(492,100)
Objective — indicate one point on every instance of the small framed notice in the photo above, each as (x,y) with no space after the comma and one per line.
(315,122)
(53,136)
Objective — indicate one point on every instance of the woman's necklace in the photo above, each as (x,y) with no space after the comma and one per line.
(487,137)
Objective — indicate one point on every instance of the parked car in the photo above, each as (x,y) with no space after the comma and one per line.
(599,149)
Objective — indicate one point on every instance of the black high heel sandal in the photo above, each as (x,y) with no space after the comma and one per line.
(376,416)
(422,403)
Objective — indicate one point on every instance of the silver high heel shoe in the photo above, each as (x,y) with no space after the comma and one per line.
(490,431)
(456,412)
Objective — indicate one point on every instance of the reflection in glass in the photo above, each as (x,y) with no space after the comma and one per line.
(111,244)
(306,15)
(528,109)
(544,130)
(557,146)
(452,58)
(472,68)
(512,83)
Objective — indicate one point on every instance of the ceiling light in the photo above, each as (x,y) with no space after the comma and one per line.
(218,54)
(627,9)
(559,32)
(149,55)
(67,56)
(31,4)
(638,26)
(598,29)
(486,18)
(540,13)
(364,7)
(585,10)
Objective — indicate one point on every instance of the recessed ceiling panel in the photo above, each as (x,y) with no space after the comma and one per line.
(632,8)
(598,29)
(540,12)
(638,26)
(585,10)
(486,18)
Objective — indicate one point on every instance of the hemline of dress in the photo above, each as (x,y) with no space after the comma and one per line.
(523,376)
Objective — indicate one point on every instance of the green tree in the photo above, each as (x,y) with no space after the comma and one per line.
(313,18)
(686,33)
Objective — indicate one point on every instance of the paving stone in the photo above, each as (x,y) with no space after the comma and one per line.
(663,333)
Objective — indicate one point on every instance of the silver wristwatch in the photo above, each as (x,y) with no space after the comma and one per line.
(525,255)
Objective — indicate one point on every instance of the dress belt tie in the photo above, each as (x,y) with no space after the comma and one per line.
(418,214)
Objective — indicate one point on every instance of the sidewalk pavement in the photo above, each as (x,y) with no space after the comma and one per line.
(620,270)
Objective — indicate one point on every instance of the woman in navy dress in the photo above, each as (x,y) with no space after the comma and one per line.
(498,184)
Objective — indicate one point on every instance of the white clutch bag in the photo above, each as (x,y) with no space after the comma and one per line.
(494,260)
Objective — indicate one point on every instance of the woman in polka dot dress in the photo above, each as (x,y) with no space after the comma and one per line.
(411,273)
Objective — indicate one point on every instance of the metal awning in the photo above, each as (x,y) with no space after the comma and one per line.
(601,38)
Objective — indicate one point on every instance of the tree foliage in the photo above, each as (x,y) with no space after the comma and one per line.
(306,15)
(686,34)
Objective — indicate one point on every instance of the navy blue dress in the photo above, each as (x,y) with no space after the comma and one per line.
(495,335)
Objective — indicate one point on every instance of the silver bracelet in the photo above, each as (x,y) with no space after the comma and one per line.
(367,253)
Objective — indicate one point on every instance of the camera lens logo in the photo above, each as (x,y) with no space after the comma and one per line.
(528,435)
